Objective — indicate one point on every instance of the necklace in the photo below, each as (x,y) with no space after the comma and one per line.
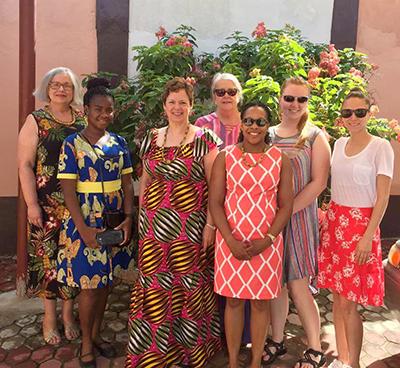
(248,164)
(47,109)
(179,146)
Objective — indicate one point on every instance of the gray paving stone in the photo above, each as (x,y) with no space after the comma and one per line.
(9,331)
(30,330)
(27,320)
(13,342)
(116,325)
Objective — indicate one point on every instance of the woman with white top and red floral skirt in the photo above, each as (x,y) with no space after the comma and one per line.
(349,259)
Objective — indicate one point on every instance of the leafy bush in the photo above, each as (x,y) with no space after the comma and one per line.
(261,63)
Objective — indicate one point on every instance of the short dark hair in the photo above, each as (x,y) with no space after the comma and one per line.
(247,106)
(358,93)
(97,87)
(175,85)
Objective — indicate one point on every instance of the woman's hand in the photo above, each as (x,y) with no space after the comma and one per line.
(126,227)
(363,251)
(208,236)
(258,246)
(35,215)
(239,250)
(88,235)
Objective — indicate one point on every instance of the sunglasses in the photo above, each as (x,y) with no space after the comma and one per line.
(259,122)
(220,92)
(360,113)
(301,99)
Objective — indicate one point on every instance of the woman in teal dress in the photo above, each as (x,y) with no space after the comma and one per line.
(95,174)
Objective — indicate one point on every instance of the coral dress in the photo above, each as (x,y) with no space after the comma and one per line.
(174,318)
(250,207)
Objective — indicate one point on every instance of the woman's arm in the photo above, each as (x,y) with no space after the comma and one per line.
(320,163)
(87,233)
(208,231)
(27,145)
(216,199)
(284,210)
(126,225)
(364,246)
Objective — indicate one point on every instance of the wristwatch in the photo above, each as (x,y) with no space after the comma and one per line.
(272,237)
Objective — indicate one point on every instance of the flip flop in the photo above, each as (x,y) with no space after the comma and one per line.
(51,337)
(71,331)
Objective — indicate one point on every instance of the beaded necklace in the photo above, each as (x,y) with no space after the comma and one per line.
(251,165)
(47,109)
(179,146)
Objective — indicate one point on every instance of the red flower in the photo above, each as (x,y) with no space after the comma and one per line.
(191,80)
(40,251)
(329,61)
(260,31)
(171,41)
(50,275)
(161,33)
(356,72)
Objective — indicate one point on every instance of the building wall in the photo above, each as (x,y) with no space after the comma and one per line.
(65,36)
(379,38)
(216,20)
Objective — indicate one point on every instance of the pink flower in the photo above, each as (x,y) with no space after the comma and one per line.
(161,33)
(216,65)
(374,109)
(187,44)
(191,80)
(339,122)
(329,61)
(171,41)
(356,72)
(260,31)
(393,124)
(314,72)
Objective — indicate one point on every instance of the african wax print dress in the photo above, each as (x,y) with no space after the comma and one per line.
(78,265)
(42,244)
(301,236)
(250,208)
(174,317)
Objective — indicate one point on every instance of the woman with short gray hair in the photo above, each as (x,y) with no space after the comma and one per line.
(39,144)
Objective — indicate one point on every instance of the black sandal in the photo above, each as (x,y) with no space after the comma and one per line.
(86,364)
(307,358)
(105,349)
(280,350)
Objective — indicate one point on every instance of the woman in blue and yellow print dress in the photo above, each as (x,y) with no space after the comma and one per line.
(95,175)
(79,265)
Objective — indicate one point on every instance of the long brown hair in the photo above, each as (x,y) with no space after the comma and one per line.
(302,124)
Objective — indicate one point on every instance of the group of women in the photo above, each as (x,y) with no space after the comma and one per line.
(227,207)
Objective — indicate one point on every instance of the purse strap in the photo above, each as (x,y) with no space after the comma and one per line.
(101,168)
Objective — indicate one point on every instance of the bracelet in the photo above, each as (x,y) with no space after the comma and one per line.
(272,237)
(211,226)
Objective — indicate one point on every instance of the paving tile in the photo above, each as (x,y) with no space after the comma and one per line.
(116,325)
(52,363)
(118,307)
(26,364)
(392,349)
(35,342)
(122,337)
(13,342)
(109,315)
(374,350)
(294,319)
(9,331)
(3,354)
(74,363)
(118,362)
(30,330)
(393,336)
(27,320)
(102,362)
(374,338)
(7,286)
(4,365)
(18,355)
(42,354)
(65,353)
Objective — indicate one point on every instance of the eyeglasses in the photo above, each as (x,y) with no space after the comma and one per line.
(55,86)
(360,113)
(301,99)
(259,122)
(220,92)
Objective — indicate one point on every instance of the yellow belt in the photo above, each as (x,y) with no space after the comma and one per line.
(96,187)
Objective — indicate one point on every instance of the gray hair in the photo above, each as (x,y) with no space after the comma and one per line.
(41,92)
(227,76)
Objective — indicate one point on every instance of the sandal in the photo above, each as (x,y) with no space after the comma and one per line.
(105,349)
(89,363)
(71,331)
(280,350)
(309,360)
(51,337)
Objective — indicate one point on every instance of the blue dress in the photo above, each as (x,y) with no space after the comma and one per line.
(79,265)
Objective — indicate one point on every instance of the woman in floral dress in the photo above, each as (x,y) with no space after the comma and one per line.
(350,258)
(174,320)
(39,144)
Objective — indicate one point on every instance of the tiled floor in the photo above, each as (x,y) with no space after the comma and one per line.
(21,343)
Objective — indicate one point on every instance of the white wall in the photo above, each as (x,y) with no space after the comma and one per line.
(214,20)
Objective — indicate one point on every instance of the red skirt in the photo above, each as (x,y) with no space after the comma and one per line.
(341,230)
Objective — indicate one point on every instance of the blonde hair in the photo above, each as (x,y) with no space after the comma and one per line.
(302,125)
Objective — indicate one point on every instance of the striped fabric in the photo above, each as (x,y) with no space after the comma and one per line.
(301,236)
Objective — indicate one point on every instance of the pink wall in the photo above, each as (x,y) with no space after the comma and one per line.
(8,96)
(379,37)
(65,36)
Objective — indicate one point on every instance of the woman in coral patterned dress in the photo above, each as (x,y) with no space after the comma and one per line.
(174,320)
(349,259)
(39,146)
(251,200)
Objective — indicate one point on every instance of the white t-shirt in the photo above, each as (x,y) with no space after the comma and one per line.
(353,178)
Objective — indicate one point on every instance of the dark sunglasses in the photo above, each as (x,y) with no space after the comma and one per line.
(301,99)
(220,92)
(360,113)
(259,122)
